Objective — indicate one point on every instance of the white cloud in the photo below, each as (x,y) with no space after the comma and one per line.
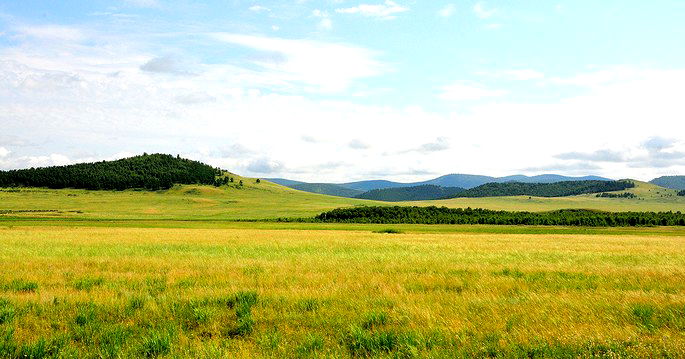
(329,67)
(166,65)
(358,144)
(325,23)
(447,11)
(4,152)
(387,10)
(259,8)
(466,92)
(482,11)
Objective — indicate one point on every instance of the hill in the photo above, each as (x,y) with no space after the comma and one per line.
(452,180)
(557,189)
(672,182)
(326,188)
(152,172)
(414,193)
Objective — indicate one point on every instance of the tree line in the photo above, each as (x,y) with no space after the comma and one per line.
(443,215)
(557,189)
(617,195)
(413,193)
(152,172)
(681,193)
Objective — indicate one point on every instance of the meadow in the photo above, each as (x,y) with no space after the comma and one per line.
(308,290)
(265,200)
(195,271)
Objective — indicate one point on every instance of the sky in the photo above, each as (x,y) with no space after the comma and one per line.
(342,90)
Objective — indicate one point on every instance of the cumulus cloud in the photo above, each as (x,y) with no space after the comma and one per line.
(166,65)
(264,166)
(440,144)
(4,152)
(655,152)
(330,67)
(387,10)
(596,156)
(259,8)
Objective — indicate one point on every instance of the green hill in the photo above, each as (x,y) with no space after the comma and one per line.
(672,182)
(152,172)
(558,189)
(414,193)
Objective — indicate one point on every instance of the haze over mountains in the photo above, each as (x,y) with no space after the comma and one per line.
(466,181)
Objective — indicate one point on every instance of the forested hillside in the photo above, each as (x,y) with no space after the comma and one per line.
(443,215)
(156,171)
(415,193)
(326,188)
(558,189)
(672,182)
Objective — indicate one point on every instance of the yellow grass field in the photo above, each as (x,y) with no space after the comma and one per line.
(82,291)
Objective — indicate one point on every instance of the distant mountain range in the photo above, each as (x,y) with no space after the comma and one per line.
(466,181)
(672,182)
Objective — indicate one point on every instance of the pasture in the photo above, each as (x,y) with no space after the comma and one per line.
(256,201)
(313,290)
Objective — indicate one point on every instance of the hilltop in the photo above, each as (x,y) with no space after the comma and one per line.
(155,171)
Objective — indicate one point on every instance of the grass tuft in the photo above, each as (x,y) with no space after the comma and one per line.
(312,344)
(7,311)
(20,285)
(155,344)
(374,320)
(88,283)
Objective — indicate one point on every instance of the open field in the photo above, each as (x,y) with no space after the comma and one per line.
(250,291)
(267,201)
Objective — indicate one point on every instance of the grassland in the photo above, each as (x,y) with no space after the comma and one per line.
(258,292)
(267,201)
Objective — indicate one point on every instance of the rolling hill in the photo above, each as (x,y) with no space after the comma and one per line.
(452,180)
(556,189)
(672,182)
(327,188)
(414,193)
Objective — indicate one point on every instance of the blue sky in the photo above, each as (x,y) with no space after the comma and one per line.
(338,90)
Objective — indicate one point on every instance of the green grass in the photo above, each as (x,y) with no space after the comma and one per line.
(240,291)
(268,201)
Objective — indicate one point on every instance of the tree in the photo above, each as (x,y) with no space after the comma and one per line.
(258,181)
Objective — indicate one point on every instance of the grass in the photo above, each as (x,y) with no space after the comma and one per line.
(269,201)
(246,291)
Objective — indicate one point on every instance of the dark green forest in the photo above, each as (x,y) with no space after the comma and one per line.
(414,193)
(558,189)
(444,215)
(617,195)
(681,193)
(152,172)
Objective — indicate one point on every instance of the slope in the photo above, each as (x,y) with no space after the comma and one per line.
(414,193)
(673,182)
